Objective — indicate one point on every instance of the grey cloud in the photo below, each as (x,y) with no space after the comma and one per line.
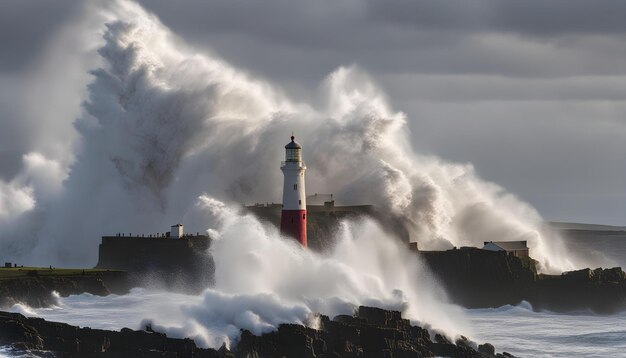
(26,25)
(537,83)
(453,88)
(303,41)
(26,29)
(535,17)
(14,131)
(564,158)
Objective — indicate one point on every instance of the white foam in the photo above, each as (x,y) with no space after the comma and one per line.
(263,280)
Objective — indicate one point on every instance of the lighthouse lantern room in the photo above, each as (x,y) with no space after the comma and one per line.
(293,217)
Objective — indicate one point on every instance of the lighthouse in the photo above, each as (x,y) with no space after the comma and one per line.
(293,217)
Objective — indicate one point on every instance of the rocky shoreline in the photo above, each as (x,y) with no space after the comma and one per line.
(37,291)
(476,278)
(370,332)
(473,278)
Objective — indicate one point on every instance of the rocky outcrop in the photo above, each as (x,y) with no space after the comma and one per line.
(371,333)
(36,291)
(476,278)
(601,290)
(69,341)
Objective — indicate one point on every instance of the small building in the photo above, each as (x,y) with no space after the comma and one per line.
(176,231)
(515,248)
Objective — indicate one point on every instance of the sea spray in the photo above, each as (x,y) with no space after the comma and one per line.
(263,280)
(163,122)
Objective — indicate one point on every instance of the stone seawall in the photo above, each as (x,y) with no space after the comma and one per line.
(180,264)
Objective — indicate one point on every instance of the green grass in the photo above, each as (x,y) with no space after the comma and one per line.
(17,272)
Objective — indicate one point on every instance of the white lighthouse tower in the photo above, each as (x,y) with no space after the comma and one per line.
(293,217)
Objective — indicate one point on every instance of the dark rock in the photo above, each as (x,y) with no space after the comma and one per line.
(377,316)
(476,278)
(35,333)
(487,348)
(14,330)
(372,332)
(463,341)
(441,339)
(36,290)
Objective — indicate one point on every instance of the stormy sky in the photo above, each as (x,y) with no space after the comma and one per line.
(532,93)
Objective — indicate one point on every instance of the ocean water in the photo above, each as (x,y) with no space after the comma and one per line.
(525,333)
(514,329)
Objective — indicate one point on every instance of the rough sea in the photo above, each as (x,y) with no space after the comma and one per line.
(515,329)
(524,333)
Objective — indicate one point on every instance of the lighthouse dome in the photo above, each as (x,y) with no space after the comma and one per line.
(293,151)
(293,144)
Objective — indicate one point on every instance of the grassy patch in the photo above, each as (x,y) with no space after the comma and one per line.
(17,272)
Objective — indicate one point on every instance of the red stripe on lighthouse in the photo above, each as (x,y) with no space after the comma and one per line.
(293,223)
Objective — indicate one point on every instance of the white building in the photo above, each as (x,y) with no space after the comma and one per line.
(176,231)
(515,248)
